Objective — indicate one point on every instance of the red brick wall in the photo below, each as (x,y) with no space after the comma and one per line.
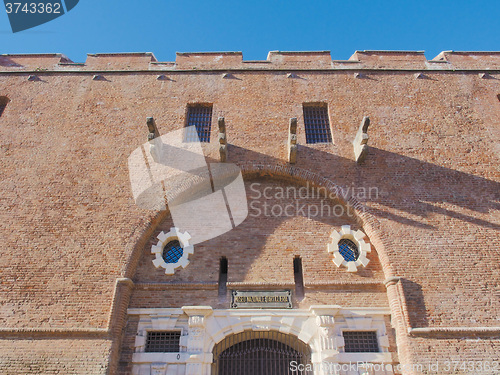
(69,226)
(54,356)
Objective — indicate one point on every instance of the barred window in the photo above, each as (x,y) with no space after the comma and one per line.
(360,341)
(172,252)
(199,116)
(348,250)
(163,341)
(3,103)
(317,124)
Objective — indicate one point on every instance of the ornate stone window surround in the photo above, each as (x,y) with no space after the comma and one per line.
(355,236)
(320,327)
(163,240)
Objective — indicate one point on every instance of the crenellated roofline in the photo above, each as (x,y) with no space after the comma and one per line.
(276,60)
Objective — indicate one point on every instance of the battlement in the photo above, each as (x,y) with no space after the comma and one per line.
(32,61)
(390,59)
(208,60)
(209,201)
(313,59)
(471,59)
(276,60)
(119,61)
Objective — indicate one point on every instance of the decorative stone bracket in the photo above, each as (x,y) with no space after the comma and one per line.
(361,140)
(292,141)
(153,133)
(222,139)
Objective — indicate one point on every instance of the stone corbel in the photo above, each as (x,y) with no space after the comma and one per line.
(154,146)
(153,129)
(222,139)
(361,140)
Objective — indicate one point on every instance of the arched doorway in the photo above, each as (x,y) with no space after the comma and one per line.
(261,353)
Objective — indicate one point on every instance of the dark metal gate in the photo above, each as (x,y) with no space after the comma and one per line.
(261,353)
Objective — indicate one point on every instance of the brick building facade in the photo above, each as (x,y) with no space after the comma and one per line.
(379,251)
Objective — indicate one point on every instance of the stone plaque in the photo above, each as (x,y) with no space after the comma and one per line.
(261,299)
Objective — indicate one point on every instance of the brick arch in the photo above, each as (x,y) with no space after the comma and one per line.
(371,226)
(146,226)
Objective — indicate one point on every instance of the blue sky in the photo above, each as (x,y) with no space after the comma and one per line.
(256,27)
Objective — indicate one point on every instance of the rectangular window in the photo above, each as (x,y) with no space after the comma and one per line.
(223,277)
(200,116)
(360,341)
(163,341)
(298,277)
(317,124)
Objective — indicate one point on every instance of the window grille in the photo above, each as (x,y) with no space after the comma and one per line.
(199,116)
(348,250)
(317,124)
(360,341)
(261,353)
(172,252)
(163,342)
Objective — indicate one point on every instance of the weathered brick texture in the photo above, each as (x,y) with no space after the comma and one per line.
(54,356)
(69,226)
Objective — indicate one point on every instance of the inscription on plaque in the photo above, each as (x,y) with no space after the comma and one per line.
(261,299)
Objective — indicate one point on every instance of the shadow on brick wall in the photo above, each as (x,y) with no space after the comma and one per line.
(421,188)
(415,303)
(404,184)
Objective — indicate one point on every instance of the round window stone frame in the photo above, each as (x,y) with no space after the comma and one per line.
(355,236)
(171,252)
(163,240)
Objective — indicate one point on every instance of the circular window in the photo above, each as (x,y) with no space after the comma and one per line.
(172,252)
(348,250)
